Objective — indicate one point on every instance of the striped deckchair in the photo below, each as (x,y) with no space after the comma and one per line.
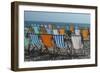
(35,40)
(59,40)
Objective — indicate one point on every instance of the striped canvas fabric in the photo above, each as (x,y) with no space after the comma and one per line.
(35,40)
(59,40)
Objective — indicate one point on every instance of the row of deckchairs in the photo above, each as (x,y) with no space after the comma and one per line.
(50,36)
(49,41)
(57,42)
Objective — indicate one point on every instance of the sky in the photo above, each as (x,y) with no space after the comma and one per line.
(57,17)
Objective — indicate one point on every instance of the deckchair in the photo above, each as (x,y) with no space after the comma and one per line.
(47,40)
(59,41)
(77,49)
(35,41)
(59,37)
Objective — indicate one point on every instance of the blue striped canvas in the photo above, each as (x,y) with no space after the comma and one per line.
(35,40)
(59,40)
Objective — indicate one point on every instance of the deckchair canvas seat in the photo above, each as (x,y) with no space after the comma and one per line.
(35,40)
(47,40)
(59,40)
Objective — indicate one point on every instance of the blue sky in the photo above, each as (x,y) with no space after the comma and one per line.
(57,17)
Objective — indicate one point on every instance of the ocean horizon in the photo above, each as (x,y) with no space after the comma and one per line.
(28,23)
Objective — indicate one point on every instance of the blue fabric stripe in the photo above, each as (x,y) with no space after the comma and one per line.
(63,41)
(59,39)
